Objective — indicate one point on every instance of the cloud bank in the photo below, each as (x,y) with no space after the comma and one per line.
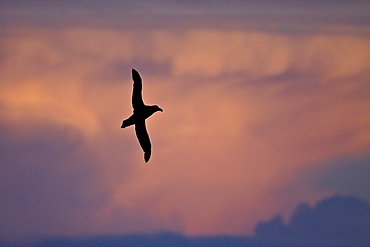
(333,221)
(337,220)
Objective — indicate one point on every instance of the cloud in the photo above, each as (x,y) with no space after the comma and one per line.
(337,219)
(344,175)
(287,16)
(43,175)
(35,102)
(154,240)
(244,111)
(334,221)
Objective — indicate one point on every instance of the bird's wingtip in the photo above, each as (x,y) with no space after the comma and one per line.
(147,156)
(135,73)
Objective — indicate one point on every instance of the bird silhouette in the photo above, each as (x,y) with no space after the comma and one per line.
(140,113)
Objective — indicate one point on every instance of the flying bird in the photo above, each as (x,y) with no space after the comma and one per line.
(140,113)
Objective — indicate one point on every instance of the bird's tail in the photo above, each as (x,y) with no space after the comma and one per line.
(127,122)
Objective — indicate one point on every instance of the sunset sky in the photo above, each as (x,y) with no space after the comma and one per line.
(266,105)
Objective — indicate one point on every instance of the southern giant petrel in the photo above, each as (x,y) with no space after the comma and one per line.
(140,113)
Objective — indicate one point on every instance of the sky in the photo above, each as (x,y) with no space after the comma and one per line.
(266,105)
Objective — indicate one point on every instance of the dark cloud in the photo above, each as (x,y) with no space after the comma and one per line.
(119,70)
(39,138)
(337,219)
(154,240)
(284,15)
(115,72)
(345,175)
(44,174)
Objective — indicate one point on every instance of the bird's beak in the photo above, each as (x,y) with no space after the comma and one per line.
(160,109)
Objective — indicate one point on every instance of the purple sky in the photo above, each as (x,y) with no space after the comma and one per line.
(265,105)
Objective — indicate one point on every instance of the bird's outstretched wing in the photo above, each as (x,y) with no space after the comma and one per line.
(143,137)
(137,99)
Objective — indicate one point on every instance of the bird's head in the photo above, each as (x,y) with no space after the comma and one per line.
(157,108)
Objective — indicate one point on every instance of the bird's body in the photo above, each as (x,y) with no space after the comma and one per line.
(140,113)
